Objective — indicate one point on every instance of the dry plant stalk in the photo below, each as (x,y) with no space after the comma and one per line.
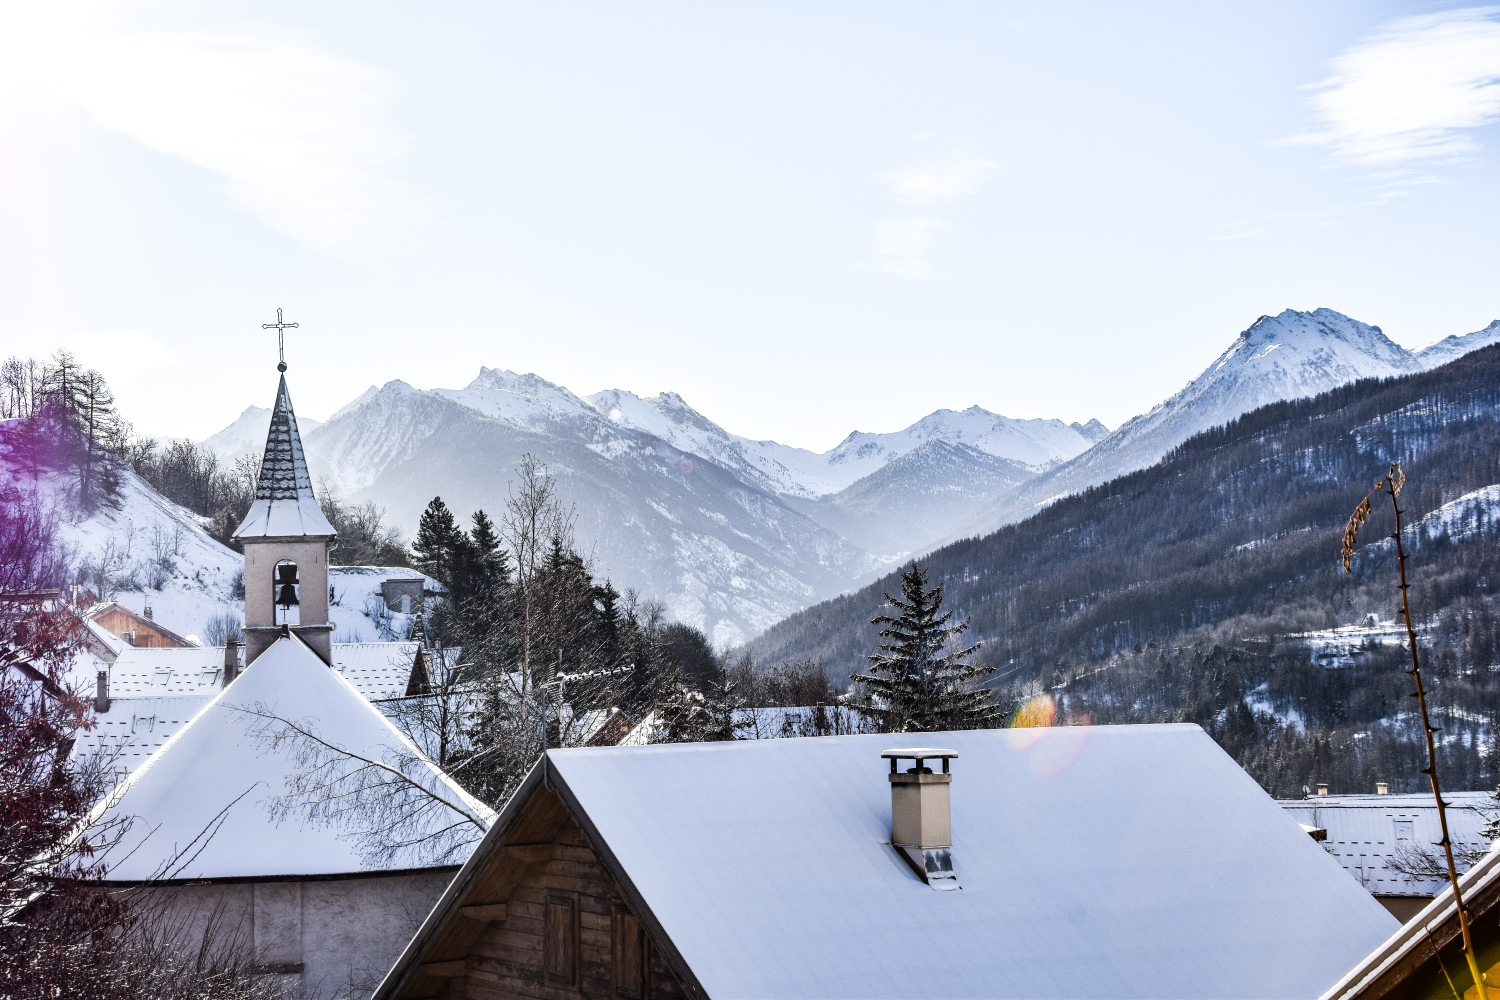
(1391,485)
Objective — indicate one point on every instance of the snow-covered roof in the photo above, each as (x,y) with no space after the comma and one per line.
(1402,964)
(203,805)
(378,669)
(1373,836)
(1113,861)
(132,730)
(185,670)
(284,502)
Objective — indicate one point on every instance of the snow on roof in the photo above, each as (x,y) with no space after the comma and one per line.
(202,805)
(1129,861)
(378,669)
(1370,835)
(133,729)
(284,502)
(1405,951)
(185,670)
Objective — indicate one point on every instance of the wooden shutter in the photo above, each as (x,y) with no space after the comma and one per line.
(629,954)
(560,945)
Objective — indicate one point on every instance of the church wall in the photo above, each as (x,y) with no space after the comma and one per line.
(326,935)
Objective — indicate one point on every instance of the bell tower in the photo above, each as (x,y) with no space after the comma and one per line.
(286,540)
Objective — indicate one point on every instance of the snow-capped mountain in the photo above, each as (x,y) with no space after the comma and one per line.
(902,508)
(247,435)
(722,552)
(1288,356)
(1458,345)
(1036,443)
(734,533)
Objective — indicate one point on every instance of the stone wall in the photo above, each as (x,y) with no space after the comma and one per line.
(333,937)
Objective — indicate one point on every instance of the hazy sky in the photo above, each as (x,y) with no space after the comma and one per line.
(806,218)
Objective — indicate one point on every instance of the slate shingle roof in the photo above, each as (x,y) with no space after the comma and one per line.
(284,502)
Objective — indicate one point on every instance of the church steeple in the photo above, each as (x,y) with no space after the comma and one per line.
(285,505)
(286,539)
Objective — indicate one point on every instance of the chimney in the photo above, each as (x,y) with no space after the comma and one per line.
(231,659)
(921,826)
(1322,788)
(1381,788)
(101,692)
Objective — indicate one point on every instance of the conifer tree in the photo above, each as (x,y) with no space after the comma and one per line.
(922,680)
(439,545)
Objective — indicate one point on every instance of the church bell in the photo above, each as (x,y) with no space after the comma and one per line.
(286,585)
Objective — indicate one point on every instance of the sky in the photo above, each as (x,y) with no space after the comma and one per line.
(806,219)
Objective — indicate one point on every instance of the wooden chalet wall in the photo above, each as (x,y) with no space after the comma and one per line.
(543,920)
(137,630)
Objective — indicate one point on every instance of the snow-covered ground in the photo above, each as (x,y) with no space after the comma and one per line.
(1339,647)
(1471,514)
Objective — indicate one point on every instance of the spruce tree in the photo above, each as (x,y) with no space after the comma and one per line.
(439,544)
(922,680)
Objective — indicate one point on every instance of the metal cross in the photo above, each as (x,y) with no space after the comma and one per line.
(280,329)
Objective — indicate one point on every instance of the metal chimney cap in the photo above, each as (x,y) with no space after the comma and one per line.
(917,753)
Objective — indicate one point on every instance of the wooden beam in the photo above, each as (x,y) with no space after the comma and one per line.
(529,852)
(485,913)
(453,969)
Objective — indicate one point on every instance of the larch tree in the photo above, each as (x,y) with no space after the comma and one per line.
(921,680)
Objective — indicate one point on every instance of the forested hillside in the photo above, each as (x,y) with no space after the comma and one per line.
(1179,591)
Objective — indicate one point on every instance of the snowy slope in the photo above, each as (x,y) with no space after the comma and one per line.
(149,552)
(905,506)
(247,435)
(1289,356)
(1458,345)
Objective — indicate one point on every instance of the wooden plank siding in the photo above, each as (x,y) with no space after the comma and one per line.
(555,882)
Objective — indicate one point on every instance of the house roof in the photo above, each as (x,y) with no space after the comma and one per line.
(380,670)
(1408,953)
(1124,861)
(284,504)
(1374,836)
(99,610)
(203,805)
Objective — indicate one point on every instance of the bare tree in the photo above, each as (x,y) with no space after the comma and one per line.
(391,804)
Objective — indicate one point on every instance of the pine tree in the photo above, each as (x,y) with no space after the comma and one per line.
(440,546)
(491,561)
(921,680)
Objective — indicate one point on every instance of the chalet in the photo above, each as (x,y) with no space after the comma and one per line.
(1425,958)
(1129,861)
(1385,841)
(137,630)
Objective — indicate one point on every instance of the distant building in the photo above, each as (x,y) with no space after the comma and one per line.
(1386,841)
(137,630)
(1110,861)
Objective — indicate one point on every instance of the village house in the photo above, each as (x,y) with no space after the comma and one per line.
(1385,842)
(1111,861)
(137,630)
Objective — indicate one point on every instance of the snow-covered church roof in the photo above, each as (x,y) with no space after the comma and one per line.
(284,502)
(219,800)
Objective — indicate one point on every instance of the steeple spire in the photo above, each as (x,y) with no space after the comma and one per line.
(285,506)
